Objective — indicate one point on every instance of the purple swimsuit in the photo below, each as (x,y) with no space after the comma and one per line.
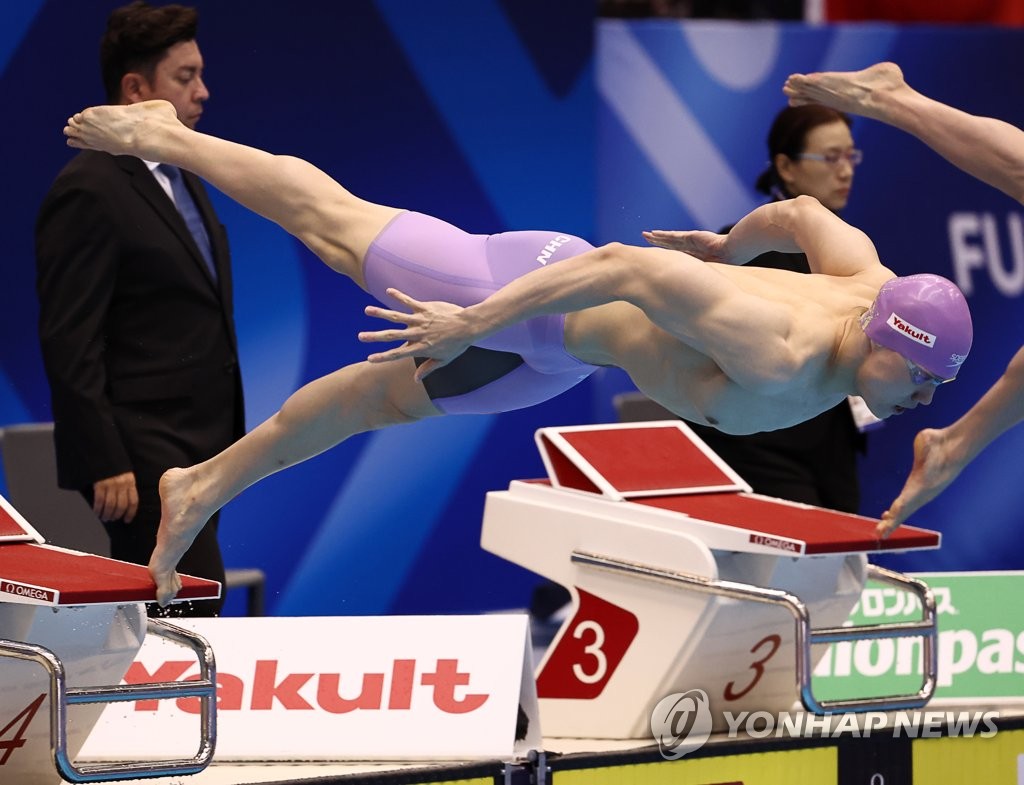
(520,366)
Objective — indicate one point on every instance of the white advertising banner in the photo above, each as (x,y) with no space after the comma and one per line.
(340,688)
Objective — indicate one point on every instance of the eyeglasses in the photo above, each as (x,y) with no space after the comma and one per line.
(919,375)
(833,157)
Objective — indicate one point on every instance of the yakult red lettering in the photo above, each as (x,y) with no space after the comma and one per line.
(912,332)
(334,693)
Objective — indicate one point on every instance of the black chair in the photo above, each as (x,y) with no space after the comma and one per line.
(63,517)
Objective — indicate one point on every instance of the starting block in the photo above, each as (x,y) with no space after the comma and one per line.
(681,578)
(71,624)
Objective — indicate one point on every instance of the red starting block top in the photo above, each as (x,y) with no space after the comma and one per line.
(664,465)
(784,525)
(641,459)
(46,575)
(32,573)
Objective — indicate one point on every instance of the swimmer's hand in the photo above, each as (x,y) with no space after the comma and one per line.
(938,460)
(706,246)
(438,331)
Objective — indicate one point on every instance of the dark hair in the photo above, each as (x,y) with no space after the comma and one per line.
(137,38)
(788,135)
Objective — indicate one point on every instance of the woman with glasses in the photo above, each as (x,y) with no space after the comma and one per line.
(810,152)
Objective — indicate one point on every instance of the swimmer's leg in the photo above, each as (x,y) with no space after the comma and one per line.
(354,399)
(336,225)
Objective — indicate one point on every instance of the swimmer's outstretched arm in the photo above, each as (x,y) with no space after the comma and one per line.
(691,300)
(989,149)
(800,225)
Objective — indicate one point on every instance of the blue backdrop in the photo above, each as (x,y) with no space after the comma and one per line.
(683,115)
(496,115)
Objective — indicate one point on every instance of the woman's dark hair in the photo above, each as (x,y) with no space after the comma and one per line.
(788,135)
(137,38)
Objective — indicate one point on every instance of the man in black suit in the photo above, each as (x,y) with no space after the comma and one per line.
(136,325)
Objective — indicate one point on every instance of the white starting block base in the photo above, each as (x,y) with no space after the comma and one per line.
(626,632)
(96,644)
(682,585)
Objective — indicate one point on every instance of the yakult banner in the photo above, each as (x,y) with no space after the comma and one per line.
(980,642)
(331,688)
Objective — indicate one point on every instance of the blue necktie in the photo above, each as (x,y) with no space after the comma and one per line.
(193,220)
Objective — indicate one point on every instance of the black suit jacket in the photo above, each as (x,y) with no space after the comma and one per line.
(138,339)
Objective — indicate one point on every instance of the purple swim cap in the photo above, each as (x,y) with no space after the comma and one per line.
(925,319)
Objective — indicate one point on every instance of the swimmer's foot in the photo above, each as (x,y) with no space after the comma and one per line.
(856,92)
(182,517)
(132,129)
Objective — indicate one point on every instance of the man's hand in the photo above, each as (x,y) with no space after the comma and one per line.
(435,330)
(706,246)
(935,467)
(116,498)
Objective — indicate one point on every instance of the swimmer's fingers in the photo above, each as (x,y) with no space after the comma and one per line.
(405,299)
(384,336)
(424,369)
(414,344)
(412,305)
(661,238)
(407,349)
(433,330)
(427,367)
(388,315)
(410,335)
(419,313)
(706,246)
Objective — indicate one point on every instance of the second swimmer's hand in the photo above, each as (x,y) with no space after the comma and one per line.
(706,246)
(937,462)
(435,330)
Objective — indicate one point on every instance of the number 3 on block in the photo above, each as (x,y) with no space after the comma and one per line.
(771,645)
(589,651)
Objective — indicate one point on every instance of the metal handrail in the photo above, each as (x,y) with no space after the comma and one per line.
(61,696)
(803,634)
